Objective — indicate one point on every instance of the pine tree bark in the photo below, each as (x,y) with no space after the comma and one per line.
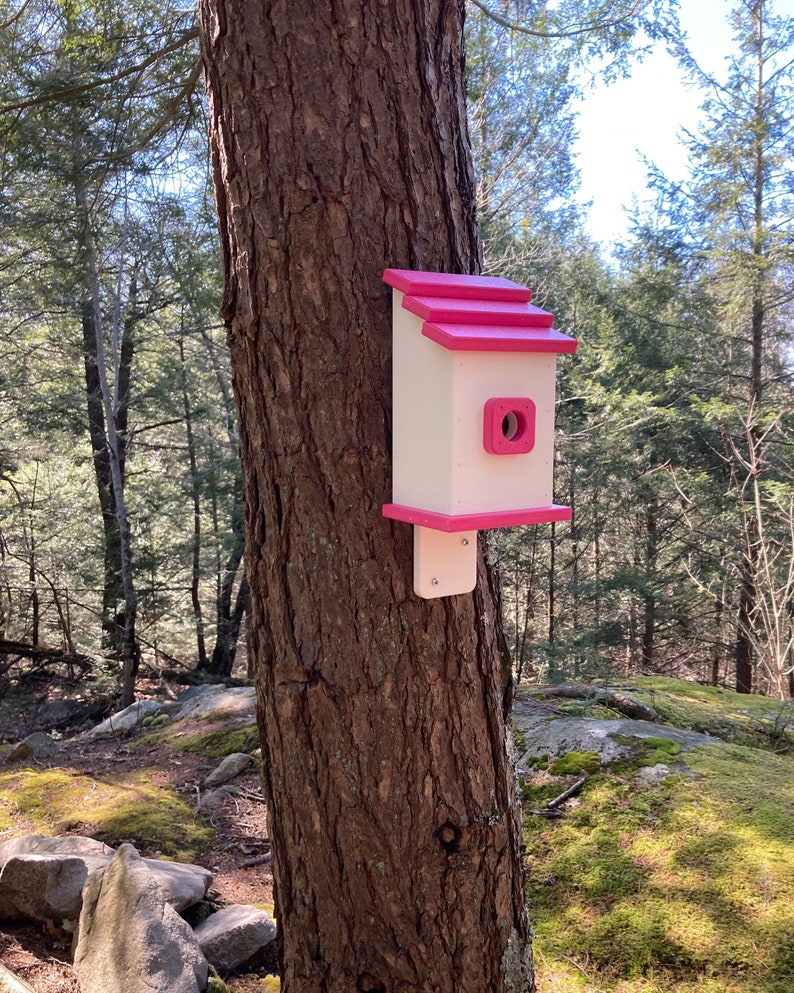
(339,148)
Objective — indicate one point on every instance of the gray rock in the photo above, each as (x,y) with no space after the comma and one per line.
(554,736)
(201,700)
(182,884)
(35,746)
(233,935)
(39,844)
(653,773)
(130,717)
(11,983)
(42,887)
(230,767)
(55,713)
(216,797)
(129,940)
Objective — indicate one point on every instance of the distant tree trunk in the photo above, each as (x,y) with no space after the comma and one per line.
(745,652)
(716,652)
(744,645)
(229,619)
(649,600)
(112,592)
(195,493)
(340,147)
(114,441)
(35,604)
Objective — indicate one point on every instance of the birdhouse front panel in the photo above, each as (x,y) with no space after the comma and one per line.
(511,475)
(474,396)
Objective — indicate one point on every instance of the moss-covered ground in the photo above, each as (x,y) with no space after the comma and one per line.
(216,743)
(114,808)
(685,885)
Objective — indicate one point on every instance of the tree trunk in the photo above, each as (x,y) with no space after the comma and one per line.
(112,592)
(649,599)
(339,148)
(743,652)
(195,493)
(88,266)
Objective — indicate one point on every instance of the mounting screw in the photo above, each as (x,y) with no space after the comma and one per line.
(435,581)
(464,541)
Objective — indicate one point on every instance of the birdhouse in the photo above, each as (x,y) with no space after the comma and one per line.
(473,417)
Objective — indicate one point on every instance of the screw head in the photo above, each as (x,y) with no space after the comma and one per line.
(465,541)
(435,581)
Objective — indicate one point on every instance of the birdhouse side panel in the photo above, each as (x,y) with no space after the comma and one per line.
(422,411)
(518,390)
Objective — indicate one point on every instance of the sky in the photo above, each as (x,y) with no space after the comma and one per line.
(643,115)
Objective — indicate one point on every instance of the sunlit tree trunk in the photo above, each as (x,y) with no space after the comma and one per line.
(340,147)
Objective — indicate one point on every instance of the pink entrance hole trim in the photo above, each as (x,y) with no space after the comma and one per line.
(476,522)
(508,426)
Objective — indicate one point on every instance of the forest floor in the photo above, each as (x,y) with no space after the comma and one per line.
(668,871)
(142,787)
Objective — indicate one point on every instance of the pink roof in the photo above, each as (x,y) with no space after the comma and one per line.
(448,284)
(495,338)
(477,313)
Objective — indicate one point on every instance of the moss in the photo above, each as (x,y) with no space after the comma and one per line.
(135,809)
(572,709)
(519,739)
(213,744)
(155,721)
(683,886)
(666,745)
(735,717)
(265,984)
(575,763)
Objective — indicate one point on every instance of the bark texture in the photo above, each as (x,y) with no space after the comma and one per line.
(340,147)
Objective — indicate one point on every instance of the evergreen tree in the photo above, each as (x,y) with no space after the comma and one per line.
(736,208)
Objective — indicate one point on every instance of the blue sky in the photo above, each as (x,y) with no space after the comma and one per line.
(643,115)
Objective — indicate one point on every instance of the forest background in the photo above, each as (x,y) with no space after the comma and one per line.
(121,537)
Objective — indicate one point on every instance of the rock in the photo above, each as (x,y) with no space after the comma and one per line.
(611,740)
(182,884)
(57,713)
(234,935)
(11,983)
(35,746)
(230,767)
(652,773)
(200,700)
(42,887)
(129,940)
(39,844)
(216,797)
(125,719)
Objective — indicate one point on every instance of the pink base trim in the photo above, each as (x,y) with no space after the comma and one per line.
(476,522)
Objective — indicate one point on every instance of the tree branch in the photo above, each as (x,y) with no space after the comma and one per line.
(106,80)
(160,123)
(565,33)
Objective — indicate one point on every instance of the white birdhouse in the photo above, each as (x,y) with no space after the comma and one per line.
(473,417)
